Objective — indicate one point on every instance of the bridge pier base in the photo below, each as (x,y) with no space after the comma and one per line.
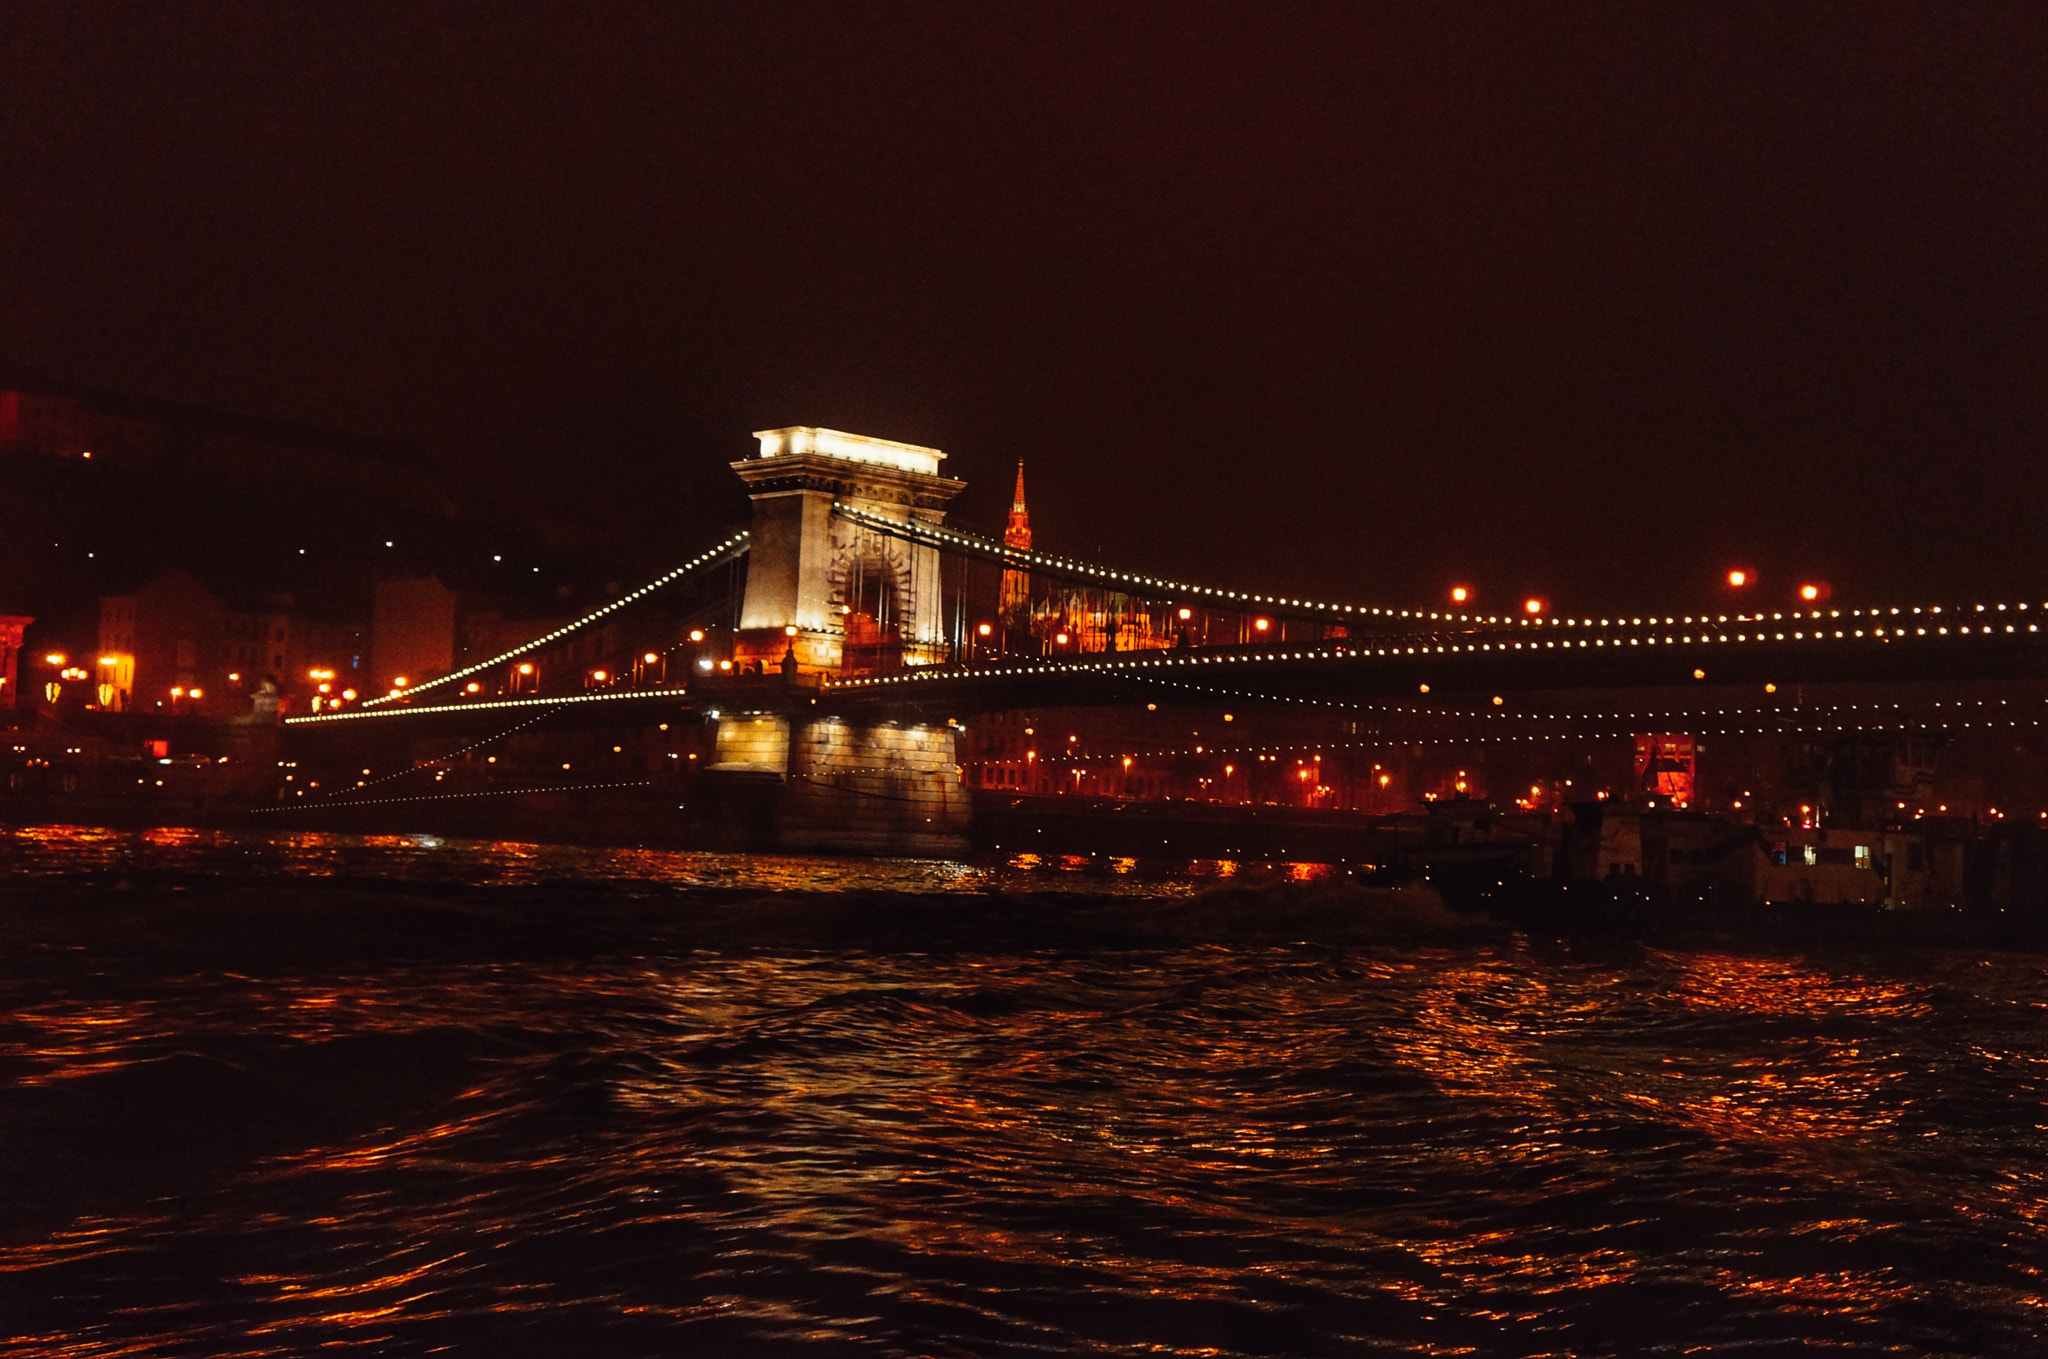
(836,786)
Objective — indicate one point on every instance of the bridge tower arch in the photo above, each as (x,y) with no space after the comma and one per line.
(831,579)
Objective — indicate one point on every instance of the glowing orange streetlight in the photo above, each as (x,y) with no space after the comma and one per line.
(1532,606)
(1814,591)
(1738,578)
(1460,594)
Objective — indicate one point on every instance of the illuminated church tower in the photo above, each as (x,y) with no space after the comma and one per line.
(1016,597)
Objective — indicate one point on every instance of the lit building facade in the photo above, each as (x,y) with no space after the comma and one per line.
(11,625)
(412,633)
(174,646)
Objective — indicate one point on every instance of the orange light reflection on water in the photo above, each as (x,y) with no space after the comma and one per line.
(1787,986)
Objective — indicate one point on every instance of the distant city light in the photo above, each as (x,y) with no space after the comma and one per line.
(1738,578)
(650,658)
(1261,624)
(526,667)
(1532,606)
(984,630)
(696,634)
(1459,594)
(1186,614)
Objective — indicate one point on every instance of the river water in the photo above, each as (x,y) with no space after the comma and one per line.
(267,1095)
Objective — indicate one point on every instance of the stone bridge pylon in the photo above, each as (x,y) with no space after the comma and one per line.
(837,597)
(859,600)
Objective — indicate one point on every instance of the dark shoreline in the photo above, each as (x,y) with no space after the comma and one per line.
(113,924)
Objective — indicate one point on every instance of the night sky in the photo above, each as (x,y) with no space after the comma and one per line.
(1347,301)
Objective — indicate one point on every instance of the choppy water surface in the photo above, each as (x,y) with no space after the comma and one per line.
(244,1117)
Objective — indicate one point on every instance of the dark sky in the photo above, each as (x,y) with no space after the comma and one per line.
(1343,300)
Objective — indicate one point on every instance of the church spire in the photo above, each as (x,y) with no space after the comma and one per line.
(1017,532)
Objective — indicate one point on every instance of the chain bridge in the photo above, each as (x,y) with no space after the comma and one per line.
(854,671)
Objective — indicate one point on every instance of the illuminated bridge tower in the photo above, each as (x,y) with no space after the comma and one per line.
(859,599)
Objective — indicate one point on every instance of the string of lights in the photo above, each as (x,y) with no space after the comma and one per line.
(1269,698)
(932,674)
(451,755)
(485,705)
(451,797)
(1024,559)
(716,556)
(1689,713)
(1504,713)
(1069,756)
